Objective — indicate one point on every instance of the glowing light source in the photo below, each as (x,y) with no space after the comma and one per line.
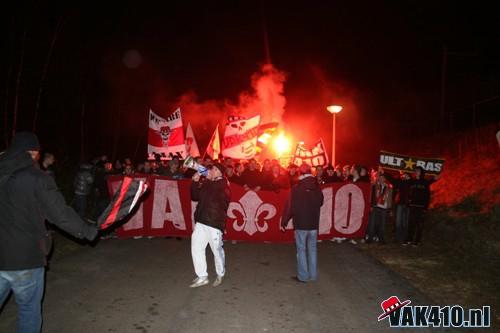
(334,108)
(264,138)
(281,144)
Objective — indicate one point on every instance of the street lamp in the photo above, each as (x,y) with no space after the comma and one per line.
(333,109)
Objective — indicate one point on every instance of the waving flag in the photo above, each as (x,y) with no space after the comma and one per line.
(314,156)
(124,200)
(191,145)
(213,148)
(240,137)
(166,136)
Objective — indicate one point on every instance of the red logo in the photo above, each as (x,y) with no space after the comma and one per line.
(390,305)
(165,134)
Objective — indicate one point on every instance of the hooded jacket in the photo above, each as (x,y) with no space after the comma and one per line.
(213,200)
(304,204)
(28,197)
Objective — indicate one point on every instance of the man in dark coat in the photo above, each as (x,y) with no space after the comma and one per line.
(28,196)
(252,177)
(213,195)
(418,199)
(82,184)
(303,206)
(402,187)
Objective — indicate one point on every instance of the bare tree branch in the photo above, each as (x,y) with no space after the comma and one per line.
(45,69)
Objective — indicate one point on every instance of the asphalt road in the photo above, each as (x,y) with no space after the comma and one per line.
(142,286)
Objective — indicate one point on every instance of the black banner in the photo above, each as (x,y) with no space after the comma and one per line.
(407,163)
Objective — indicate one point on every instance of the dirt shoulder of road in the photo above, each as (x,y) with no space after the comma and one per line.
(457,265)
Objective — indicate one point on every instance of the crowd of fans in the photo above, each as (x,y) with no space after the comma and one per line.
(403,199)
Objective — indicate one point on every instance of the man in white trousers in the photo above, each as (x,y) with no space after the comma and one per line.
(212,194)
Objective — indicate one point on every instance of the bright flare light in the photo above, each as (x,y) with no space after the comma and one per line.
(281,144)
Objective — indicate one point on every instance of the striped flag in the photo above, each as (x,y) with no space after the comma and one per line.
(124,200)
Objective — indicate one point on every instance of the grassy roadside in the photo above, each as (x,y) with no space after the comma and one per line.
(458,261)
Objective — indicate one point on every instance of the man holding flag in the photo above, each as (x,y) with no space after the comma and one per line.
(28,196)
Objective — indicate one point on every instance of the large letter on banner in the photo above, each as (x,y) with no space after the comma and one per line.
(325,226)
(349,209)
(167,205)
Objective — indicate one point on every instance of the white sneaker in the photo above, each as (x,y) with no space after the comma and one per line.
(218,281)
(353,242)
(198,282)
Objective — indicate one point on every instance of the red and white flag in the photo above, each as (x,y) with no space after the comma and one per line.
(315,156)
(213,148)
(191,145)
(166,136)
(240,137)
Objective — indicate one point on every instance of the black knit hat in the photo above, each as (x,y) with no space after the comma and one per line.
(24,141)
(219,166)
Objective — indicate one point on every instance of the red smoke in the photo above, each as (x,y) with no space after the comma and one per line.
(266,97)
(309,92)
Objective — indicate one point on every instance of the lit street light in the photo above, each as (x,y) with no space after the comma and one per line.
(333,109)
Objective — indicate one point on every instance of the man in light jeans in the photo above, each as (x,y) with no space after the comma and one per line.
(303,206)
(27,286)
(307,262)
(212,194)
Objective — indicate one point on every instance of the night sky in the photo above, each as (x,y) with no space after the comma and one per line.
(381,60)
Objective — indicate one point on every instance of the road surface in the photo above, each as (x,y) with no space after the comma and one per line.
(142,286)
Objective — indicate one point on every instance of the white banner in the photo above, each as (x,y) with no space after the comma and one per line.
(240,137)
(166,136)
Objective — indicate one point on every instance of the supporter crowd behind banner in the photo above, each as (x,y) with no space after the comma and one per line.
(372,199)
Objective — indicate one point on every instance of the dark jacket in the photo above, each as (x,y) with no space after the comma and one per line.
(304,205)
(84,180)
(332,179)
(402,187)
(276,184)
(28,197)
(213,200)
(235,179)
(420,192)
(293,180)
(251,178)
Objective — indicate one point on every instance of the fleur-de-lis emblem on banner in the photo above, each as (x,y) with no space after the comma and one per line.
(253,211)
